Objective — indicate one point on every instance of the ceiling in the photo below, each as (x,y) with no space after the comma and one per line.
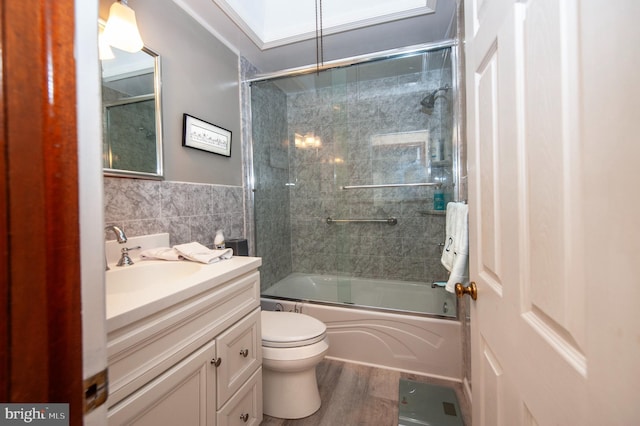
(276,35)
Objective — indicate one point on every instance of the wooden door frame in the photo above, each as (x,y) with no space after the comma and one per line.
(41,331)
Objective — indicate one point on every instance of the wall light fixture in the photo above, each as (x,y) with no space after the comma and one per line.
(121,30)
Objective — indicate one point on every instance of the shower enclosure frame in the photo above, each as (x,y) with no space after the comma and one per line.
(459,175)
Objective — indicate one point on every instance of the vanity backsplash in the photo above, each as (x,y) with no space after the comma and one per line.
(187,211)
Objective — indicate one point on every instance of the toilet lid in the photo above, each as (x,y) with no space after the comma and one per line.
(289,329)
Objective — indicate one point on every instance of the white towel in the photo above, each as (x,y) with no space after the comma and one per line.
(450,231)
(455,254)
(162,253)
(199,253)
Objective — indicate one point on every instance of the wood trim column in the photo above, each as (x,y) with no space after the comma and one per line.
(42,294)
(4,238)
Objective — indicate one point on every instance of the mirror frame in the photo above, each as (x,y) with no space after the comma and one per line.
(157,84)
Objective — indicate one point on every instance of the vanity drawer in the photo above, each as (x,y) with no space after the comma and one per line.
(245,407)
(140,352)
(240,352)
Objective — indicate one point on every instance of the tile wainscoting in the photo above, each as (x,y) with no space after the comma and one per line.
(187,211)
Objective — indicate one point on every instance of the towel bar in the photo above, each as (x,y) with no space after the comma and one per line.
(388,221)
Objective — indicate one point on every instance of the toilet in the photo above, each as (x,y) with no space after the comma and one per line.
(292,345)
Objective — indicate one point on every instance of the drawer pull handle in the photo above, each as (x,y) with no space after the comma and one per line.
(216,362)
(244,417)
(244,352)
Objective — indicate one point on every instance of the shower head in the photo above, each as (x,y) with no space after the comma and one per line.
(429,101)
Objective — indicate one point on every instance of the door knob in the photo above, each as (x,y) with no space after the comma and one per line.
(471,290)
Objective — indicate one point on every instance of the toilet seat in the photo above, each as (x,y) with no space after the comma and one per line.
(290,330)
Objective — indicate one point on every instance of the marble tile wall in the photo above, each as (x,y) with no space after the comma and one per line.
(345,119)
(271,170)
(247,71)
(187,211)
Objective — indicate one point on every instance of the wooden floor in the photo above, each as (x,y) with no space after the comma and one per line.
(358,395)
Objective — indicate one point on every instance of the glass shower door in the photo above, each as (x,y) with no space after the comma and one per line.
(370,143)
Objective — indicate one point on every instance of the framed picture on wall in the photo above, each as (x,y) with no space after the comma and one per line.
(199,134)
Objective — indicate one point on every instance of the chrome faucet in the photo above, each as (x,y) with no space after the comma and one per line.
(124,258)
(120,235)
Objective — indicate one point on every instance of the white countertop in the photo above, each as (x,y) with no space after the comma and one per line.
(130,304)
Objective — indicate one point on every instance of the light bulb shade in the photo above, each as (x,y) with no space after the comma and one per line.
(104,50)
(121,30)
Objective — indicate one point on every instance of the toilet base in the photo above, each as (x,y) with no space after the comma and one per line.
(290,395)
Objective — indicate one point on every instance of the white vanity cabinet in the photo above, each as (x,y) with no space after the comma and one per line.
(196,361)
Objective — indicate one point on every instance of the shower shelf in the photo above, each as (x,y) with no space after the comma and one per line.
(392,185)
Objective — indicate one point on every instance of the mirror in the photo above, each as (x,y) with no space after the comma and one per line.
(132,115)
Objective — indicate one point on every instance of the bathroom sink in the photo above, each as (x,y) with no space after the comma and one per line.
(149,286)
(148,276)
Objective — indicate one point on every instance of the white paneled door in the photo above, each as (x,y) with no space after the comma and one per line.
(545,330)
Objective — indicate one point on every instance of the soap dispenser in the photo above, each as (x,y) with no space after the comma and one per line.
(218,241)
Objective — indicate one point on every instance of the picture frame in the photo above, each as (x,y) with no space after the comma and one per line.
(204,136)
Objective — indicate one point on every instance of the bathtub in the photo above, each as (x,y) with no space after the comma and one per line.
(415,343)
(373,293)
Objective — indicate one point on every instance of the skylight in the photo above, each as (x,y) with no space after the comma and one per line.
(271,23)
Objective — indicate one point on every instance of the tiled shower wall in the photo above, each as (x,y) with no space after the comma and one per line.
(271,169)
(187,211)
(130,129)
(350,116)
(345,118)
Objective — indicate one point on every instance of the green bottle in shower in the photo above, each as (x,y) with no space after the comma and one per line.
(438,199)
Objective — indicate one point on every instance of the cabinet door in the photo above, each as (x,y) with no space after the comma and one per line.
(245,407)
(184,395)
(240,352)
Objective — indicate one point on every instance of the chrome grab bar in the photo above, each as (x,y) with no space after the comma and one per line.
(392,185)
(388,221)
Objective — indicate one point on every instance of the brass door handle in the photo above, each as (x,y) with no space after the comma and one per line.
(471,290)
